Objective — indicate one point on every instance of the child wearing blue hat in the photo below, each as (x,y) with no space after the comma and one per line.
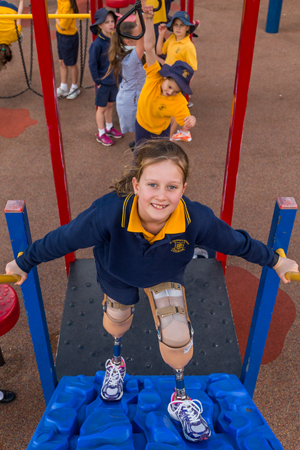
(161,97)
(177,47)
(107,88)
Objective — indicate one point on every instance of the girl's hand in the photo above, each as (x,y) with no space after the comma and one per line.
(283,266)
(162,29)
(98,87)
(13,268)
(148,12)
(189,122)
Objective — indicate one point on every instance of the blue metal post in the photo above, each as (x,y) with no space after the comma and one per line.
(273,18)
(20,236)
(280,233)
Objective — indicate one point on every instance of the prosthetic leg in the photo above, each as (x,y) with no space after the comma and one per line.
(175,336)
(117,319)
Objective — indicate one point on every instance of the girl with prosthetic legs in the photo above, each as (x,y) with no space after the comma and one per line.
(144,234)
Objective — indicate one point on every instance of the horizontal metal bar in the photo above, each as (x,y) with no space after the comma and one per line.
(50,16)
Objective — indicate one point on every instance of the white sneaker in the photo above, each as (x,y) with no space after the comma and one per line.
(73,94)
(112,387)
(188,413)
(61,93)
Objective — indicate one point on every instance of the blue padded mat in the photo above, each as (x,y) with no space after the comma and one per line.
(77,418)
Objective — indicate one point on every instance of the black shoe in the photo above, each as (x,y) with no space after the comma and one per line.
(8,396)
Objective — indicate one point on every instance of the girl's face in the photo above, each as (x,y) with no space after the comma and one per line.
(107,27)
(169,87)
(159,191)
(179,29)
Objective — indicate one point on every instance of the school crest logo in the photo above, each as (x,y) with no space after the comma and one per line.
(185,73)
(179,245)
(162,107)
(186,16)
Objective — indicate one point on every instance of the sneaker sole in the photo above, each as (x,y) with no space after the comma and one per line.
(114,400)
(106,145)
(111,135)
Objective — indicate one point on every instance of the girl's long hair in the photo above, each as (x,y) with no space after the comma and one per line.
(5,55)
(117,50)
(151,152)
(74,6)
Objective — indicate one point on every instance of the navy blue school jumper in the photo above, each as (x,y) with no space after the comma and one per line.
(98,65)
(126,261)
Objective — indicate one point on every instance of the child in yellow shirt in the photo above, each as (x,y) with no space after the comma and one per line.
(161,97)
(8,32)
(178,46)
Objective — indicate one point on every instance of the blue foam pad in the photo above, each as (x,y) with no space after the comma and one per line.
(77,418)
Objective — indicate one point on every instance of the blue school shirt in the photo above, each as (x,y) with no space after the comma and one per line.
(129,257)
(98,61)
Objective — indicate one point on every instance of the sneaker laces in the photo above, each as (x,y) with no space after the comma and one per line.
(114,375)
(192,410)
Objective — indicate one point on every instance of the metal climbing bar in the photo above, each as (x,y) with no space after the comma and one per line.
(238,112)
(273,18)
(20,237)
(50,16)
(45,58)
(279,237)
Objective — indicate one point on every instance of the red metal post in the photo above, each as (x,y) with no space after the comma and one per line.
(190,9)
(45,58)
(94,8)
(182,5)
(238,112)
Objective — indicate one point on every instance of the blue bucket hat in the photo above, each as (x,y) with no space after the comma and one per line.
(100,16)
(181,72)
(185,19)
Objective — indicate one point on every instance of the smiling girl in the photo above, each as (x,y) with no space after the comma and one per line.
(135,230)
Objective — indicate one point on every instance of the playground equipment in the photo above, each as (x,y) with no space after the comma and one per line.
(273,18)
(9,307)
(76,417)
(137,8)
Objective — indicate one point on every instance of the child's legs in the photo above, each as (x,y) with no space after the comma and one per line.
(100,117)
(168,305)
(74,74)
(67,46)
(63,72)
(109,113)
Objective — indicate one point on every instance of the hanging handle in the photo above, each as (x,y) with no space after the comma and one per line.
(293,276)
(138,9)
(14,278)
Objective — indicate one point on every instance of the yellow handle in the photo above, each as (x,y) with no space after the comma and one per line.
(281,252)
(14,278)
(293,276)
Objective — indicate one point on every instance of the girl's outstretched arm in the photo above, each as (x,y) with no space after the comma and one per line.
(20,11)
(149,37)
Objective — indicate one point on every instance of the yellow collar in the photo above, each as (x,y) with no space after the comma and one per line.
(174,225)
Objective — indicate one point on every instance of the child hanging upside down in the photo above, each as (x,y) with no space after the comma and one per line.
(161,97)
(9,30)
(134,231)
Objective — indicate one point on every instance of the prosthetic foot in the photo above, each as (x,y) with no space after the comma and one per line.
(117,319)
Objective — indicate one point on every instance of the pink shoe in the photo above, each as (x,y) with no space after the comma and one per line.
(104,140)
(114,133)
